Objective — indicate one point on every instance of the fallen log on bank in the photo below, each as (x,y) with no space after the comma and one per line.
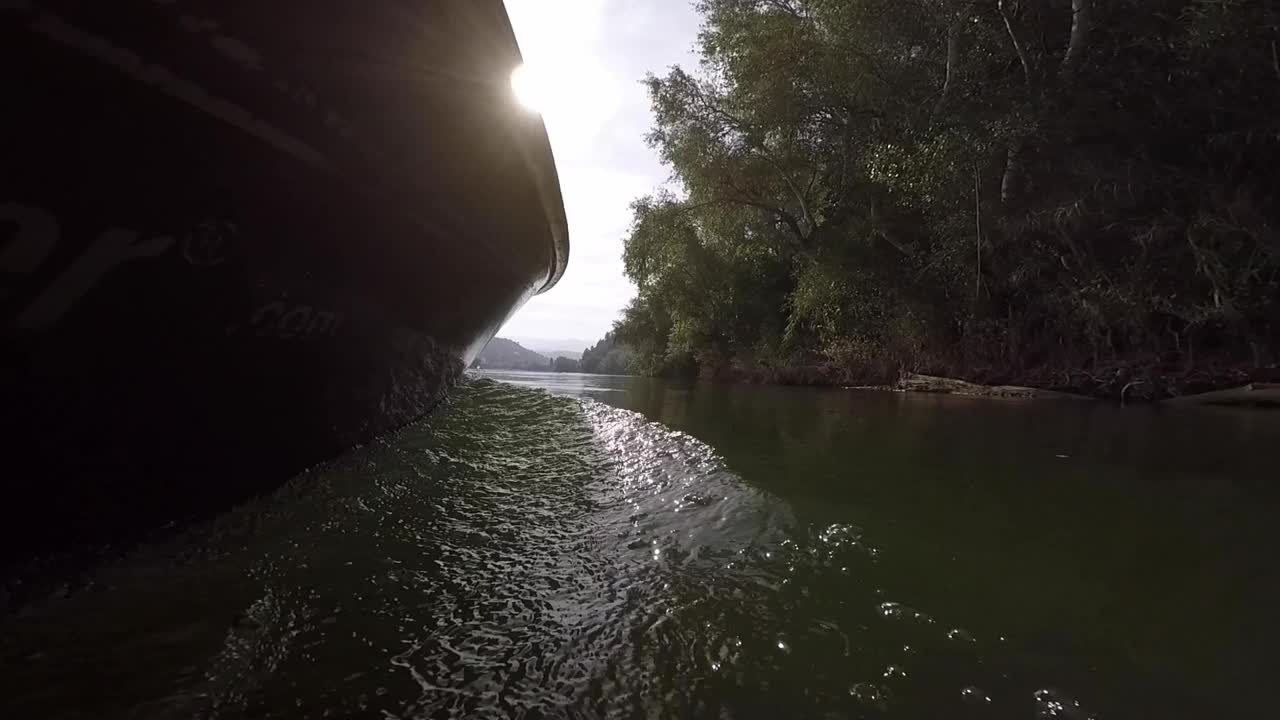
(913,382)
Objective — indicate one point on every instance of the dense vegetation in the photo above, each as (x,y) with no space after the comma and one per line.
(565,364)
(1067,193)
(607,357)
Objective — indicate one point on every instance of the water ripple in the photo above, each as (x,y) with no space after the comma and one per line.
(519,555)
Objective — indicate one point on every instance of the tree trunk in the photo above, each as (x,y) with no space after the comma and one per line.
(1081,23)
(953,54)
(1014,172)
(977,221)
(1019,46)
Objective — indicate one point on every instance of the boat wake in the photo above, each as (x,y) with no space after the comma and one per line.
(518,555)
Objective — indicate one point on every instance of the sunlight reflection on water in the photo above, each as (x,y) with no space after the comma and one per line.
(521,553)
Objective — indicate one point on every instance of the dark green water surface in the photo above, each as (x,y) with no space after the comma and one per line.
(575,546)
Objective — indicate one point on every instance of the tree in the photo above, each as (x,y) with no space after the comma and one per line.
(565,364)
(607,358)
(958,184)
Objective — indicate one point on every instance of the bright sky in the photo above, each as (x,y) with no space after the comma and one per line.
(585,60)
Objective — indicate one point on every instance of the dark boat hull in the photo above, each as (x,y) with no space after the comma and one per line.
(238,237)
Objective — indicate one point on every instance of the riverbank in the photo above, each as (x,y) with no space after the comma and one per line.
(1125,383)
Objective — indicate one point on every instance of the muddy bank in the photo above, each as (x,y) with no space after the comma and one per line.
(1126,383)
(1253,394)
(1250,395)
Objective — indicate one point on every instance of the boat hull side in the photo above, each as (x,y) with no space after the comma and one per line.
(200,299)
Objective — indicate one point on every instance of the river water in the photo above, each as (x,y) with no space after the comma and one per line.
(585,546)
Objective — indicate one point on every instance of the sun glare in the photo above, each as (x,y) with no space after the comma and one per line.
(564,77)
(529,89)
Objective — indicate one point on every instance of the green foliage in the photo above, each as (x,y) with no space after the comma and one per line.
(963,184)
(607,357)
(564,364)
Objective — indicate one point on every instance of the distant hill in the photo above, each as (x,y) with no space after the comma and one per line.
(570,354)
(504,354)
(555,347)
